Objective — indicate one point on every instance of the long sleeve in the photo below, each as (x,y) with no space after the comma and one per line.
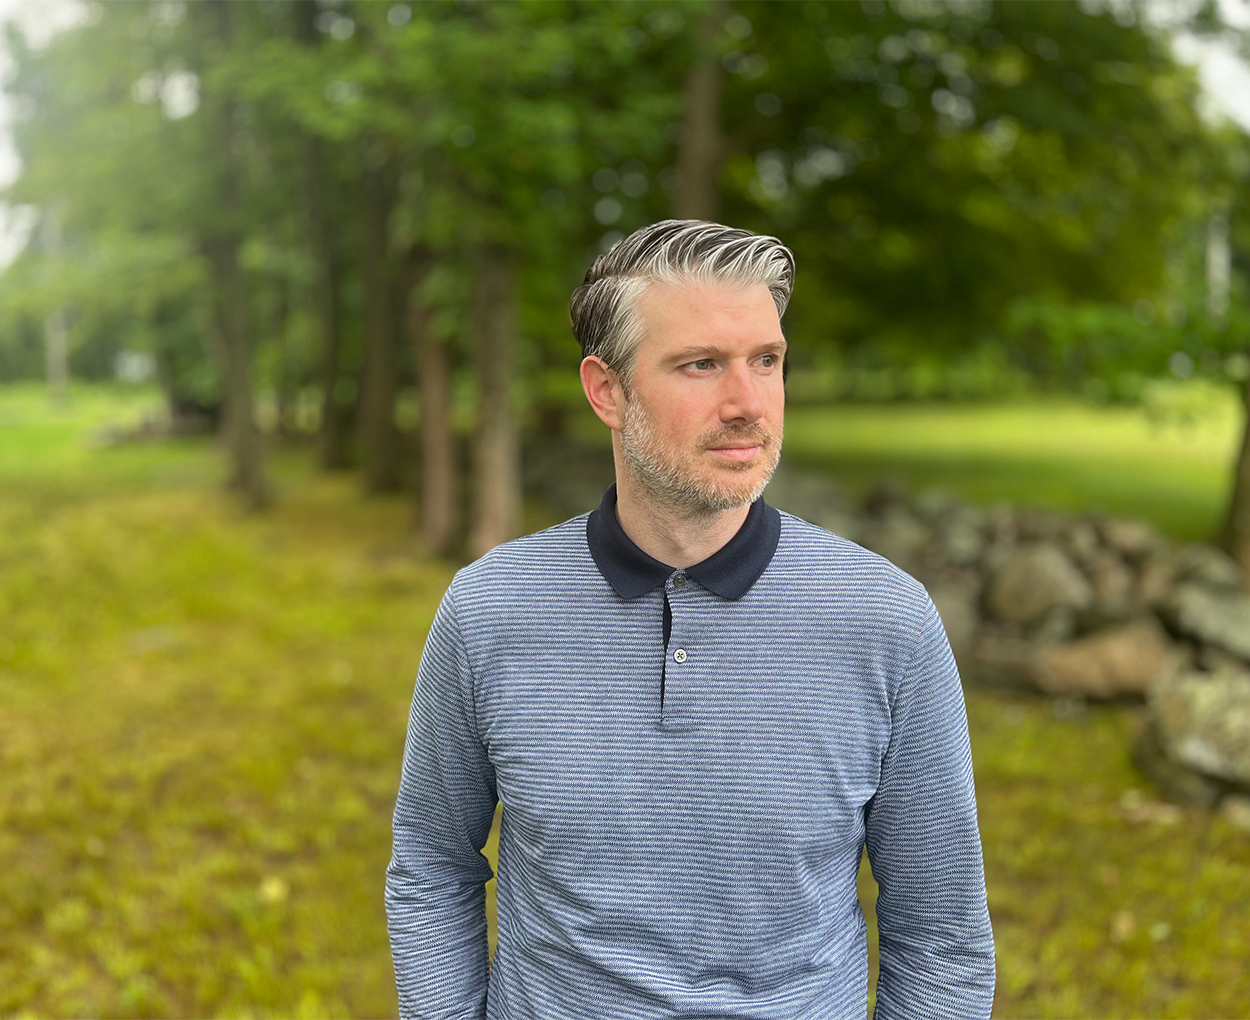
(937,949)
(435,882)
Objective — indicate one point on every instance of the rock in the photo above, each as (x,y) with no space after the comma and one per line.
(1203,722)
(1155,578)
(897,536)
(961,538)
(1208,565)
(1218,617)
(884,496)
(957,606)
(1081,542)
(1108,663)
(934,505)
(1035,524)
(1001,518)
(1112,582)
(804,494)
(1209,659)
(1133,540)
(1035,579)
(1003,660)
(1054,628)
(1174,779)
(813,498)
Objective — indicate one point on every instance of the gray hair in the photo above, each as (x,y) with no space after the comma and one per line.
(677,252)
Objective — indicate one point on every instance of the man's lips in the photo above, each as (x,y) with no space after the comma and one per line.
(737,452)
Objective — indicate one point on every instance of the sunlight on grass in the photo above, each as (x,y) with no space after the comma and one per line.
(1173,470)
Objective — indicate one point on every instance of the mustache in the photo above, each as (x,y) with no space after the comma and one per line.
(756,434)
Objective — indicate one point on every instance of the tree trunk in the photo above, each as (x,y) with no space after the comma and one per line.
(335,414)
(285,384)
(229,298)
(702,149)
(56,354)
(1236,535)
(379,437)
(56,325)
(242,437)
(497,468)
(439,491)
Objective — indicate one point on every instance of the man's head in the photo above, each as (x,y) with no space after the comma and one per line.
(680,327)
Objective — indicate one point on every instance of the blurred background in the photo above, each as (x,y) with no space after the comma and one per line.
(284,342)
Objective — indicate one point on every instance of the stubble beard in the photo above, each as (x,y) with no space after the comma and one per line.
(671,478)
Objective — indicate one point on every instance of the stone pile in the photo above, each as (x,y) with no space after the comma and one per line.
(1075,605)
(1070,605)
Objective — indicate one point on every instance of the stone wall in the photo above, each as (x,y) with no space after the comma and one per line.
(1075,605)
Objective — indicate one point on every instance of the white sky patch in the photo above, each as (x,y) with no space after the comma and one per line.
(40,20)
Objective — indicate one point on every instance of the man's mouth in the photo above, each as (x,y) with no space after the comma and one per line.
(737,452)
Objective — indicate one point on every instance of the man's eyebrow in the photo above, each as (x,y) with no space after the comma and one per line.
(711,350)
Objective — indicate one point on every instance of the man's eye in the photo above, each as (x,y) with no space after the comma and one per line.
(769,360)
(702,363)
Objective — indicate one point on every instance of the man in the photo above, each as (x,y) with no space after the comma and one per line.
(695,709)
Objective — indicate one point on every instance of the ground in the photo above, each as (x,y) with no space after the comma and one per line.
(204,714)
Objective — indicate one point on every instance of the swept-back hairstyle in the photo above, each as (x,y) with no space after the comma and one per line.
(605,321)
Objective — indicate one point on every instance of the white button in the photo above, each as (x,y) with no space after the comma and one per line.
(679,655)
(679,581)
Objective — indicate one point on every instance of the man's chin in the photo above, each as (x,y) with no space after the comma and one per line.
(743,487)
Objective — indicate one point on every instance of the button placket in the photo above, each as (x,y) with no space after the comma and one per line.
(674,710)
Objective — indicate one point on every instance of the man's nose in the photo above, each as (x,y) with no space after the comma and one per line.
(740,394)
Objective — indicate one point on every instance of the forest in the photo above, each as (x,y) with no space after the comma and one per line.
(361,222)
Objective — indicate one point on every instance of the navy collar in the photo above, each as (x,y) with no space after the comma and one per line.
(729,572)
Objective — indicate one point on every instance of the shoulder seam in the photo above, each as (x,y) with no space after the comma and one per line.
(464,650)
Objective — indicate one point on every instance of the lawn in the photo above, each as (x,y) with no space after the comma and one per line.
(1168,462)
(203,715)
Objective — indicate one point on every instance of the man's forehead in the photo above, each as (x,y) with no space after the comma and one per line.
(675,313)
(661,294)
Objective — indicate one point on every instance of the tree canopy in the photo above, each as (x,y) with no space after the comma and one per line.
(355,208)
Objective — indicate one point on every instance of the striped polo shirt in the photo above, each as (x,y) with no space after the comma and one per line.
(690,764)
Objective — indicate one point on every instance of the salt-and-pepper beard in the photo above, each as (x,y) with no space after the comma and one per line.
(675,487)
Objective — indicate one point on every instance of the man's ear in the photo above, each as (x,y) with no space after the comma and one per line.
(603,390)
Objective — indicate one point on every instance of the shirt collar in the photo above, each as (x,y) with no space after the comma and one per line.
(729,572)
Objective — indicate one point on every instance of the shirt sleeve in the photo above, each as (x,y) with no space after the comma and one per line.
(436,880)
(937,949)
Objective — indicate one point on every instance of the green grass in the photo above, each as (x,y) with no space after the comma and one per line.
(203,717)
(1172,471)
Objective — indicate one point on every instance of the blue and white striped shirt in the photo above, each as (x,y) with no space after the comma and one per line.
(684,812)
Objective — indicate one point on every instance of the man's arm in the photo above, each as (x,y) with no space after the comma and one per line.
(937,950)
(435,883)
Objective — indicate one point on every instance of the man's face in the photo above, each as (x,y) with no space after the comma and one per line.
(702,429)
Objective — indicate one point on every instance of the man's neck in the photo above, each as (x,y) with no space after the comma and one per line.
(668,536)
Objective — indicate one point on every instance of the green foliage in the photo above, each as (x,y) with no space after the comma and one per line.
(934,165)
(955,180)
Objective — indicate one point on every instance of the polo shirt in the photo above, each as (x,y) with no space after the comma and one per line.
(690,763)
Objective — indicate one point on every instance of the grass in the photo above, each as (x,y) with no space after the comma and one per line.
(1172,469)
(202,726)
